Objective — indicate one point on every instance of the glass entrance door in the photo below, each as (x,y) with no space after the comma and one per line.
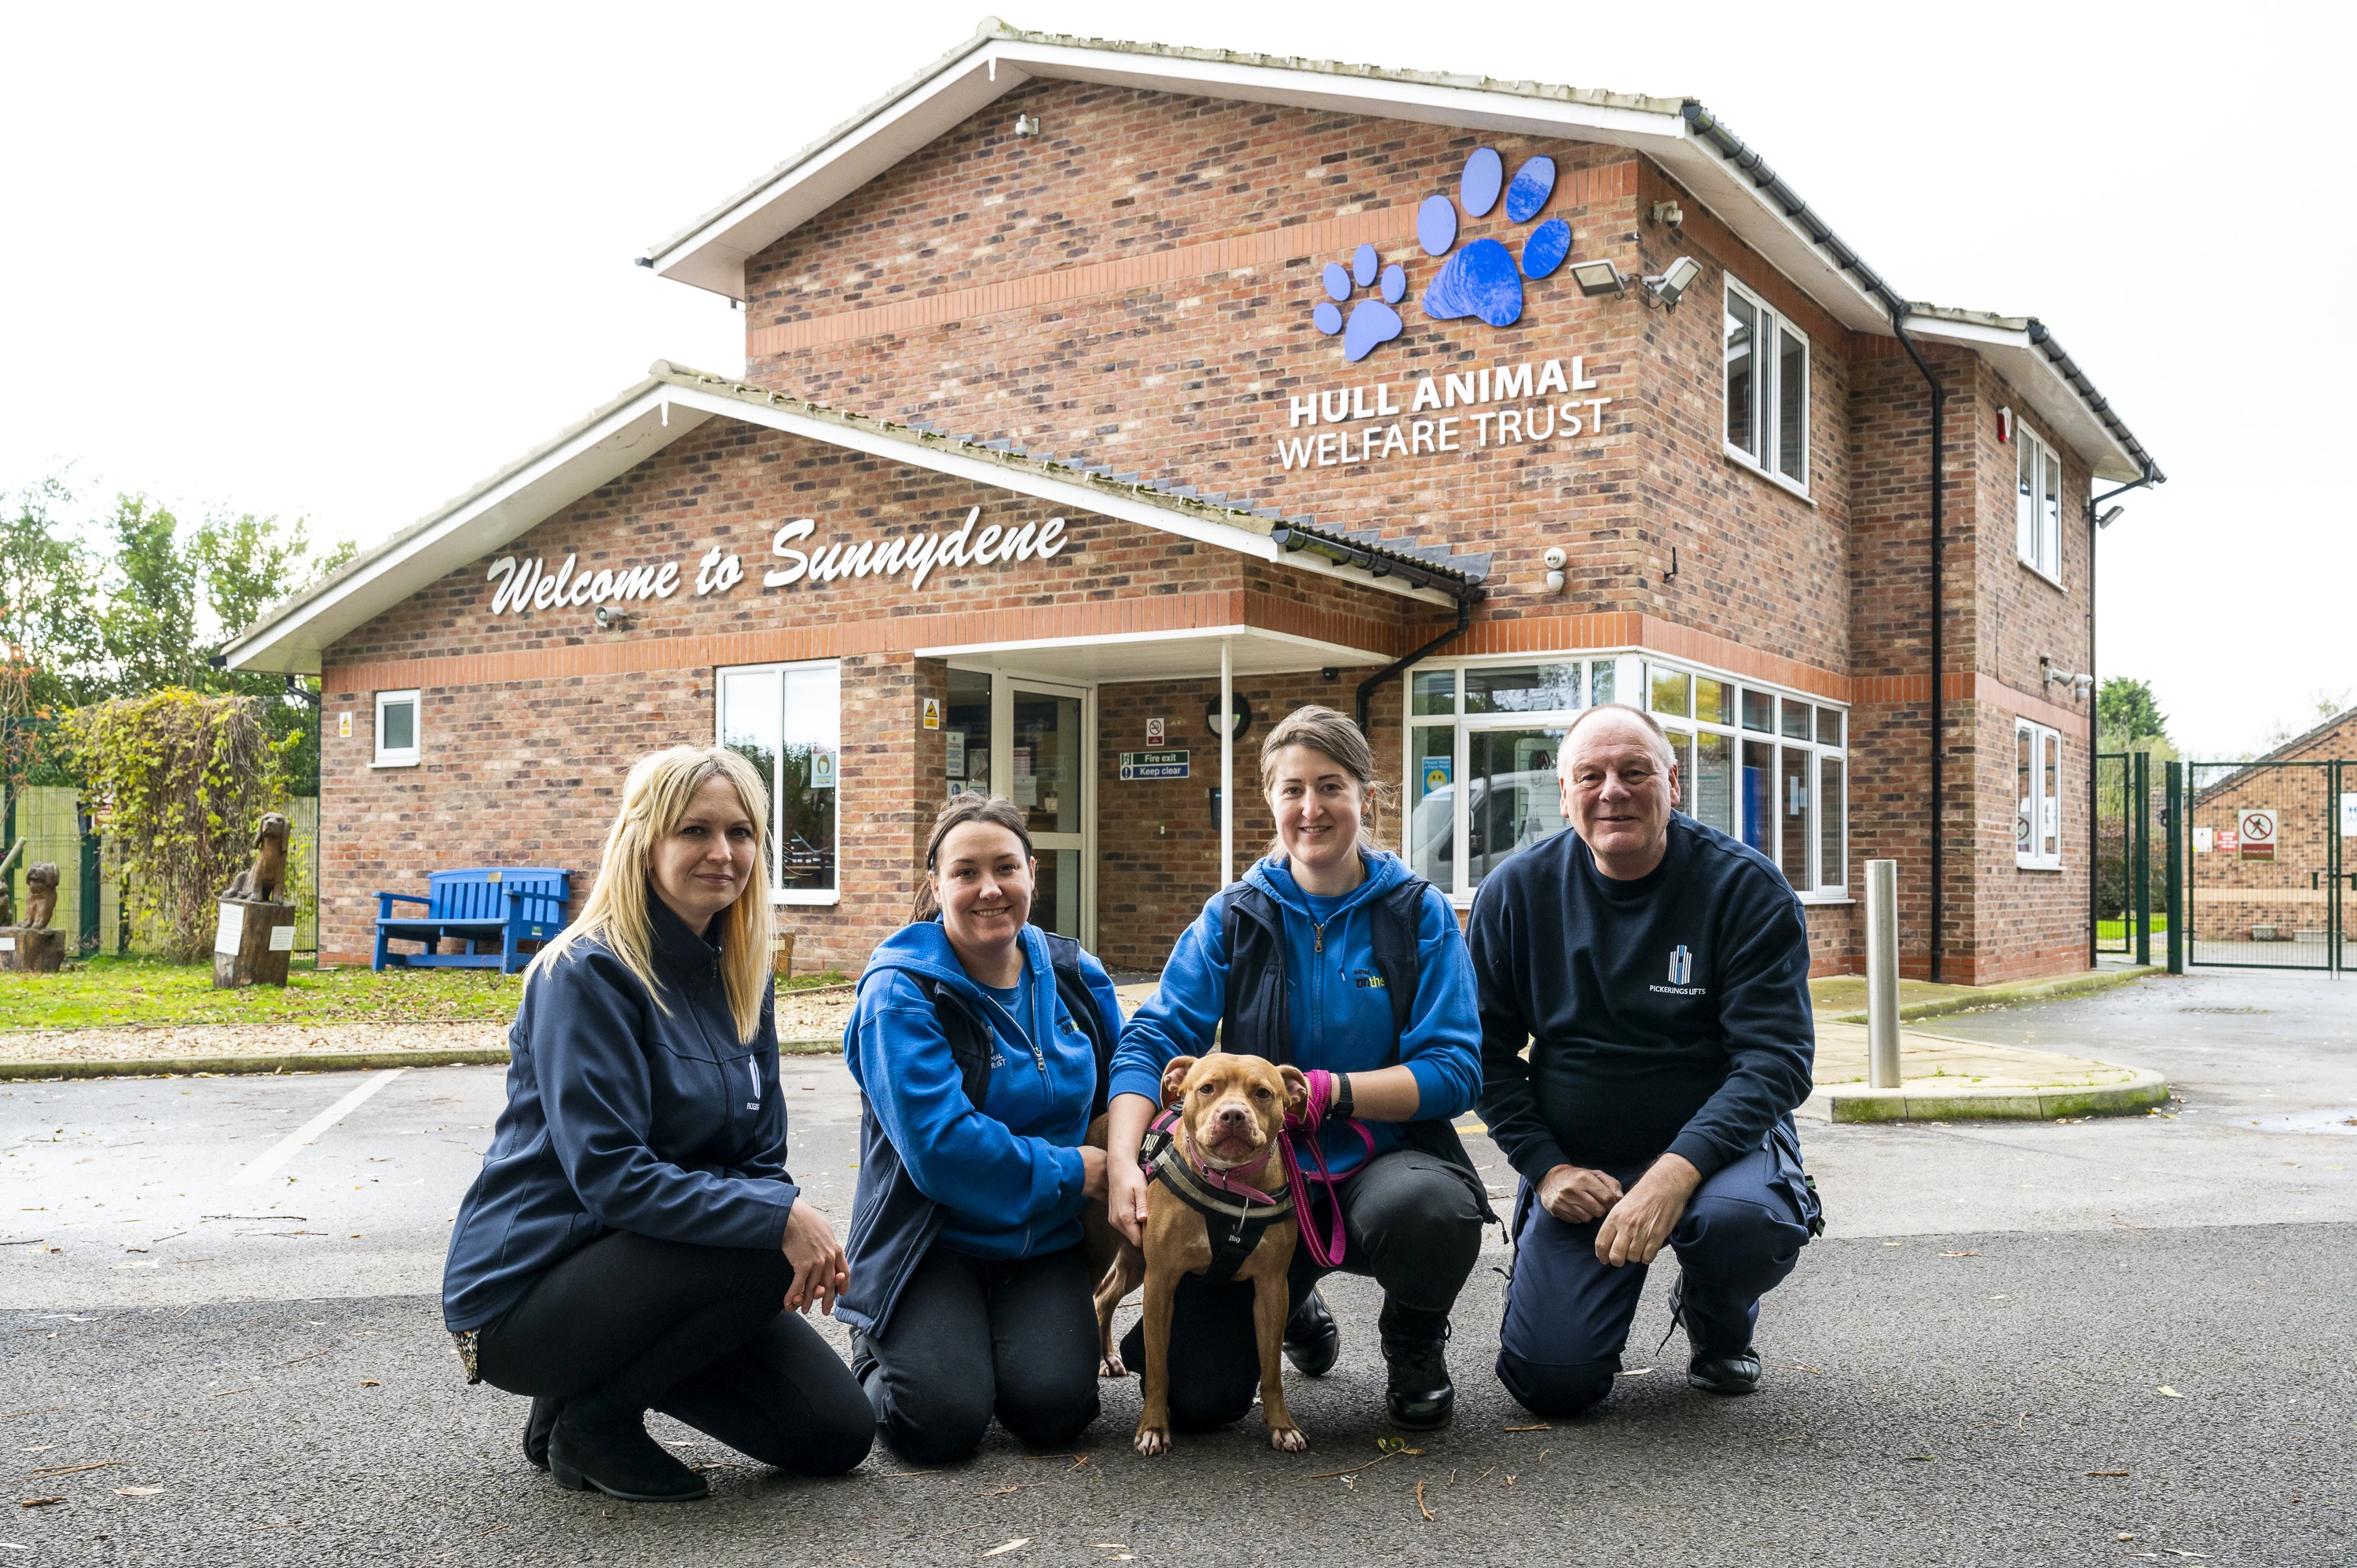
(1033,742)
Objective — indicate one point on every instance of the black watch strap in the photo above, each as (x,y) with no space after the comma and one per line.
(1344,1104)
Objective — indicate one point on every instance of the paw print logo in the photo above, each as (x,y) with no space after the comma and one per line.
(1484,280)
(1373,321)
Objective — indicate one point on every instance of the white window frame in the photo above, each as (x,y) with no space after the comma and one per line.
(1632,683)
(1767,414)
(2036,534)
(2044,805)
(400,757)
(778,893)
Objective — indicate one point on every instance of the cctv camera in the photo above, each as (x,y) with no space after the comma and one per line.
(611,619)
(1555,559)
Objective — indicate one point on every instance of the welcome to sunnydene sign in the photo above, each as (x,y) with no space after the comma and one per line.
(528,584)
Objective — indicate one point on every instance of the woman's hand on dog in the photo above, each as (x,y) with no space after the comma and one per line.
(819,1270)
(1125,1198)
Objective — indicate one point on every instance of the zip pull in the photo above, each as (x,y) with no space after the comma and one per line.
(753,1071)
(1318,937)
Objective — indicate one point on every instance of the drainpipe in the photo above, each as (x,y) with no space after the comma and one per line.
(1939,605)
(1464,619)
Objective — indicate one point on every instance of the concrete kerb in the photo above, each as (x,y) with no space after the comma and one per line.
(1965,1102)
(2013,995)
(304,1062)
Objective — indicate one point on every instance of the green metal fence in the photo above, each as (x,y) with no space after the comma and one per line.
(2264,851)
(2124,850)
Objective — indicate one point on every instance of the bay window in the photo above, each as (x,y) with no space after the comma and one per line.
(786,720)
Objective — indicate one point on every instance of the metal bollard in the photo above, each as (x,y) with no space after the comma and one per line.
(1882,973)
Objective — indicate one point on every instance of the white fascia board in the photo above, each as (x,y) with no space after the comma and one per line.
(713,256)
(2057,410)
(1329,652)
(1078,498)
(293,641)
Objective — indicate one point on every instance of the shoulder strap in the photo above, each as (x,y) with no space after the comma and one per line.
(969,1037)
(1073,989)
(1397,916)
(1256,1021)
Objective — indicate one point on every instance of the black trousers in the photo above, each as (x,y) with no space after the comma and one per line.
(975,1338)
(1410,1220)
(695,1332)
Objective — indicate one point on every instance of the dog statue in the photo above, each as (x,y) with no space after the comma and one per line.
(261,882)
(1217,1170)
(40,893)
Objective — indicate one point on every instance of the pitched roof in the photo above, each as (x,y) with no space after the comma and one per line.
(673,401)
(1679,134)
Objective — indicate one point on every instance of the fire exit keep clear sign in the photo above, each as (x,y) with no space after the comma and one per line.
(1153,765)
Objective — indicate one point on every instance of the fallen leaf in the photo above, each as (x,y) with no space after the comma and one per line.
(2107,1472)
(1633,1372)
(2167,1392)
(137,1491)
(1920,1459)
(72,1469)
(371,1384)
(247,1390)
(1429,1517)
(1020,1540)
(1960,1255)
(1804,1367)
(1540,1427)
(38,1502)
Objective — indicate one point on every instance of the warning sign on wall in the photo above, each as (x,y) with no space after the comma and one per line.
(2256,830)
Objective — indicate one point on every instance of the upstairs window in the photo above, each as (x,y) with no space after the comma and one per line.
(1767,389)
(2038,505)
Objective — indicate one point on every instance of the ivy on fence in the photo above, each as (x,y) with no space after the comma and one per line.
(183,780)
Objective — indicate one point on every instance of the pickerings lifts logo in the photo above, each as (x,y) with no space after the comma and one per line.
(1483,279)
(1680,974)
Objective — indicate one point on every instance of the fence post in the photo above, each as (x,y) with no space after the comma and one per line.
(1882,973)
(2172,822)
(2139,836)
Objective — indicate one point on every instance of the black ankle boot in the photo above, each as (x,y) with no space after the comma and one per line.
(1416,1349)
(536,1429)
(603,1446)
(1311,1341)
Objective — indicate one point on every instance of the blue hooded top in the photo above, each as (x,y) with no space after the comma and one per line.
(1006,1177)
(1340,1012)
(623,1116)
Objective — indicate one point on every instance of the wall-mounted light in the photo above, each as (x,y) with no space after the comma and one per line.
(611,619)
(1672,281)
(1596,278)
(2111,515)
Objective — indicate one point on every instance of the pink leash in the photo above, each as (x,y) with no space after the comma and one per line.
(1305,1124)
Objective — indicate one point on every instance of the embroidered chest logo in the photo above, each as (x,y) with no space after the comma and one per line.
(1680,974)
(1366,979)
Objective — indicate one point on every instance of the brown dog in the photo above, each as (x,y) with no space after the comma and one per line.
(260,882)
(40,893)
(1231,1113)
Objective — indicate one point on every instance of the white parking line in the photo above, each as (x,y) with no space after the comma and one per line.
(284,1150)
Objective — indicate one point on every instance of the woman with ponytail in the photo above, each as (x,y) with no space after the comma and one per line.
(634,1240)
(980,1043)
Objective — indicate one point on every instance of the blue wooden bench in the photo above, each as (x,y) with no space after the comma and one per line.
(492,908)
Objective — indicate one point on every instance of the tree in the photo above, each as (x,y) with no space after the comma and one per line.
(49,592)
(2128,718)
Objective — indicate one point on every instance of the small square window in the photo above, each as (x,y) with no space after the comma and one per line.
(1759,710)
(396,729)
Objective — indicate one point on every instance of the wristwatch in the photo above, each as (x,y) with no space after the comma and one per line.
(1342,1103)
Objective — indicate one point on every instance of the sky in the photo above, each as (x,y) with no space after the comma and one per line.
(339,262)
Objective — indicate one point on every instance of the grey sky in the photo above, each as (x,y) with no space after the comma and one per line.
(325,262)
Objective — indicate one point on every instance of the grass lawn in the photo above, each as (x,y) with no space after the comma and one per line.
(118,991)
(2117,930)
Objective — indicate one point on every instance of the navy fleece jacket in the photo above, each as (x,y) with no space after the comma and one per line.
(1009,1175)
(621,1116)
(1667,1013)
(1340,1012)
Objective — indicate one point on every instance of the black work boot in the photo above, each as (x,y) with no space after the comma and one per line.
(599,1445)
(863,1360)
(1714,1372)
(1311,1341)
(1416,1349)
(536,1429)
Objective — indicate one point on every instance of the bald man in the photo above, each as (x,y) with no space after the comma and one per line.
(1658,971)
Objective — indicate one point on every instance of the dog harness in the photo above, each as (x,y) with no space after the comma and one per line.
(1236,1216)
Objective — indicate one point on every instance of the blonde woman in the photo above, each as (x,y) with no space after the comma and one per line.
(634,1240)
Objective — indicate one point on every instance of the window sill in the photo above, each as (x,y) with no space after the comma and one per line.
(1825,900)
(783,895)
(2043,575)
(399,762)
(2055,867)
(1740,458)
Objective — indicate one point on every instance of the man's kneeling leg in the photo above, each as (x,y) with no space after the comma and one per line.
(1568,1316)
(1738,1240)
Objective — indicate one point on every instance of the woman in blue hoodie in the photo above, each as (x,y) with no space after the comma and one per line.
(634,1240)
(1329,954)
(980,1044)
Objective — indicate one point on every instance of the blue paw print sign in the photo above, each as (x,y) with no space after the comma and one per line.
(1482,280)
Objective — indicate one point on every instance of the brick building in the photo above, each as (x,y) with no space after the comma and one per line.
(2270,848)
(1085,377)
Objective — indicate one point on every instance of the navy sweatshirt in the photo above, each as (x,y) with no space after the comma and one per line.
(1668,1014)
(622,1117)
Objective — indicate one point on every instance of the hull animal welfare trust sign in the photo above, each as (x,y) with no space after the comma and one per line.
(1153,765)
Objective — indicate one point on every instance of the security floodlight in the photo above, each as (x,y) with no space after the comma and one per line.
(2111,514)
(1674,280)
(1598,278)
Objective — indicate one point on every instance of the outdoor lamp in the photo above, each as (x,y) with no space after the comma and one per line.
(1598,278)
(1674,280)
(2111,514)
